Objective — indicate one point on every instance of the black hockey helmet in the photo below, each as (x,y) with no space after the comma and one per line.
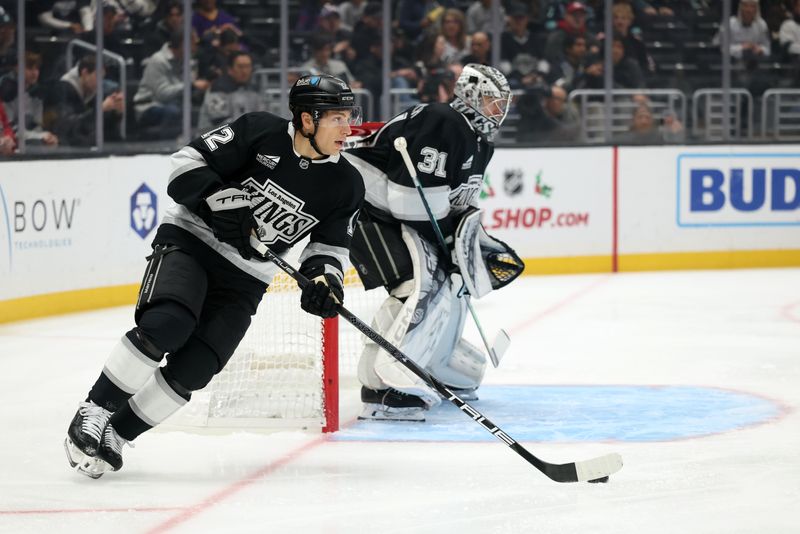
(315,94)
(322,92)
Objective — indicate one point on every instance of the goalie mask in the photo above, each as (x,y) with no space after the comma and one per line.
(483,96)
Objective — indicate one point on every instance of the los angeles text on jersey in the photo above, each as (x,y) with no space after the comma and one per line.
(279,214)
(531,217)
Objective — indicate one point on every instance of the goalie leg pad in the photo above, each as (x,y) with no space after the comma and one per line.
(426,326)
(463,369)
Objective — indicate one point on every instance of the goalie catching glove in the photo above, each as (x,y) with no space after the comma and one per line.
(324,291)
(231,219)
(486,263)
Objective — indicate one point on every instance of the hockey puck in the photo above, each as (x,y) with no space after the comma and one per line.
(598,480)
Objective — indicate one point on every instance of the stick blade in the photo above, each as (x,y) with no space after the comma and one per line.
(499,347)
(599,467)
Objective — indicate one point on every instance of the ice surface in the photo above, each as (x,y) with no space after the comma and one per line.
(694,377)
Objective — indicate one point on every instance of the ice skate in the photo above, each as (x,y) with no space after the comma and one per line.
(110,450)
(83,439)
(391,405)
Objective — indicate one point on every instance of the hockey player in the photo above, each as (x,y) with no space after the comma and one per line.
(261,173)
(395,244)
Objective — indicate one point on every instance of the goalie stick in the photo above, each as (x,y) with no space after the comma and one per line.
(593,470)
(501,340)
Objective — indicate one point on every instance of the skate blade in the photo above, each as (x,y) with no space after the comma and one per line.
(84,464)
(467,395)
(379,412)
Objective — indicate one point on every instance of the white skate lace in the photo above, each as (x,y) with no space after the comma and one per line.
(114,441)
(94,419)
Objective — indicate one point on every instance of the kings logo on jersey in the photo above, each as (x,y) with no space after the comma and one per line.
(279,213)
(464,195)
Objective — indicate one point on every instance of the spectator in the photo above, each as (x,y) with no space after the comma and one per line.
(171,22)
(644,130)
(634,46)
(158,100)
(591,76)
(72,18)
(212,55)
(209,19)
(479,17)
(8,53)
(565,73)
(367,29)
(415,16)
(329,24)
(113,34)
(404,74)
(480,46)
(350,12)
(573,23)
(547,116)
(368,69)
(436,80)
(789,35)
(518,39)
(308,15)
(750,39)
(34,101)
(526,72)
(321,61)
(8,142)
(70,111)
(454,30)
(232,94)
(627,74)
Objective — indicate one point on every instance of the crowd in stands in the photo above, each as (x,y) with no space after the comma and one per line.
(548,50)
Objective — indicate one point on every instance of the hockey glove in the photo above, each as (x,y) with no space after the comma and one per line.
(323,293)
(231,219)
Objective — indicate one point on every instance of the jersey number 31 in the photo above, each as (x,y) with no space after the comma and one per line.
(433,162)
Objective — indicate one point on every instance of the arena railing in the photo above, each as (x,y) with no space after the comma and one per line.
(780,114)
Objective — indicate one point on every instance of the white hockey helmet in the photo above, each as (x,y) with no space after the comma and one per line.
(483,96)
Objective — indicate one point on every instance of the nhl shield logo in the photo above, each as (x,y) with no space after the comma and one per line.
(303,163)
(513,182)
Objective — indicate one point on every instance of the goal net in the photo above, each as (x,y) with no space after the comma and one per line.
(290,367)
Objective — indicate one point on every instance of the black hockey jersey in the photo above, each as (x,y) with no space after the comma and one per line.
(450,160)
(291,196)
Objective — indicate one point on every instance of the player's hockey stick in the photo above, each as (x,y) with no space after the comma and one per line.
(501,340)
(594,470)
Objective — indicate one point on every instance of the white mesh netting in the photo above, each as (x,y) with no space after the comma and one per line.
(275,377)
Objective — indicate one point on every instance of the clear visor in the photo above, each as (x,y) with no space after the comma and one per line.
(496,108)
(339,118)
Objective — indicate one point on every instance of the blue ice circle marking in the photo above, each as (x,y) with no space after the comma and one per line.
(582,413)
